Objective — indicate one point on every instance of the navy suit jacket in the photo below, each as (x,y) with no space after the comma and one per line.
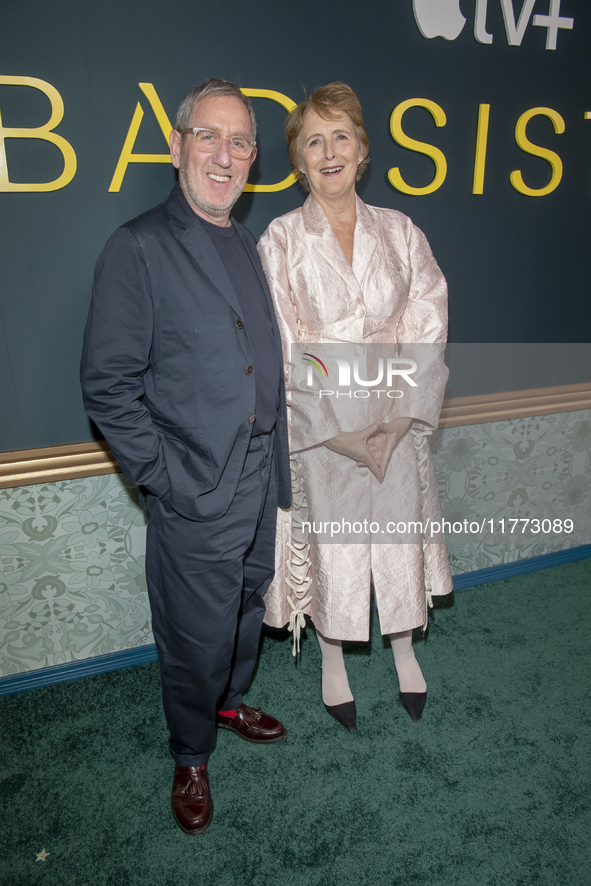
(164,367)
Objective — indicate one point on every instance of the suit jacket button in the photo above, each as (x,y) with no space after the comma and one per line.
(251,419)
(240,323)
(249,369)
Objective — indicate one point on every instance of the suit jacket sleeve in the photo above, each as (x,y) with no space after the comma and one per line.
(115,358)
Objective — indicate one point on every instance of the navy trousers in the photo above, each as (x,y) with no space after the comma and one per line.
(206,583)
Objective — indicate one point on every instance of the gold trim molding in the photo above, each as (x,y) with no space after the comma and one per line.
(514,404)
(26,467)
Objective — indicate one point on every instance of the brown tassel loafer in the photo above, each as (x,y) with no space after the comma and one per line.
(253,725)
(192,806)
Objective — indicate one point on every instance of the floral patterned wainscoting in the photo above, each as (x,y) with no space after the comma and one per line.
(533,468)
(72,580)
(72,583)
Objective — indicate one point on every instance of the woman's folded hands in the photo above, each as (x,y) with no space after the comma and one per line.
(373,446)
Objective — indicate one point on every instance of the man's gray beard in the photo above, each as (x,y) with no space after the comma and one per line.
(214,211)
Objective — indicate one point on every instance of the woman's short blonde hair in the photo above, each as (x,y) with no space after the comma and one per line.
(328,102)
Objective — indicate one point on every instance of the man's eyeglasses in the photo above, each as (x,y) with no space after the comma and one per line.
(209,140)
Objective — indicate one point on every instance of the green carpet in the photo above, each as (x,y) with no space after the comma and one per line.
(491,787)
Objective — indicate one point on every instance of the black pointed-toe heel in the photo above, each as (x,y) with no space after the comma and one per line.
(345,714)
(413,703)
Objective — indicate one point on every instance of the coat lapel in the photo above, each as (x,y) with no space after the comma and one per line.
(327,244)
(197,243)
(365,241)
(254,257)
(256,261)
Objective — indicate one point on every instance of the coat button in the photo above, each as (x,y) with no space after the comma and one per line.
(359,350)
(240,323)
(251,419)
(249,369)
(359,312)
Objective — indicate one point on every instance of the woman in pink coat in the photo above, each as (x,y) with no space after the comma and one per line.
(361,276)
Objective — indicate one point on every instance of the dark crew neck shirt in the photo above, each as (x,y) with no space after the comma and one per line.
(264,344)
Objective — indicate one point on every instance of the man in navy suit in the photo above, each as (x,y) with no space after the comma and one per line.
(182,372)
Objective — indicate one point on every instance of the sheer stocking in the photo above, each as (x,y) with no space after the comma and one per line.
(335,684)
(410,676)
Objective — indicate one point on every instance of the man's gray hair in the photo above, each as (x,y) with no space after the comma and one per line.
(213,88)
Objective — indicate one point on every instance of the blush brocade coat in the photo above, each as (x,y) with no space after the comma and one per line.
(393,291)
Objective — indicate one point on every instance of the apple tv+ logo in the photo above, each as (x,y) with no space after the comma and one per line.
(439,18)
(443,18)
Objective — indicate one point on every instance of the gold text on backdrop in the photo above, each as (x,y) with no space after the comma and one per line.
(395,177)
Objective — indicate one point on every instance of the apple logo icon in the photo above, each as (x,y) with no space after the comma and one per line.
(439,18)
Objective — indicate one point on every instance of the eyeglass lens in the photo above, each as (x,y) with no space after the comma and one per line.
(208,140)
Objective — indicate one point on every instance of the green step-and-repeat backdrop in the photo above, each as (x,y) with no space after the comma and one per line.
(479,119)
